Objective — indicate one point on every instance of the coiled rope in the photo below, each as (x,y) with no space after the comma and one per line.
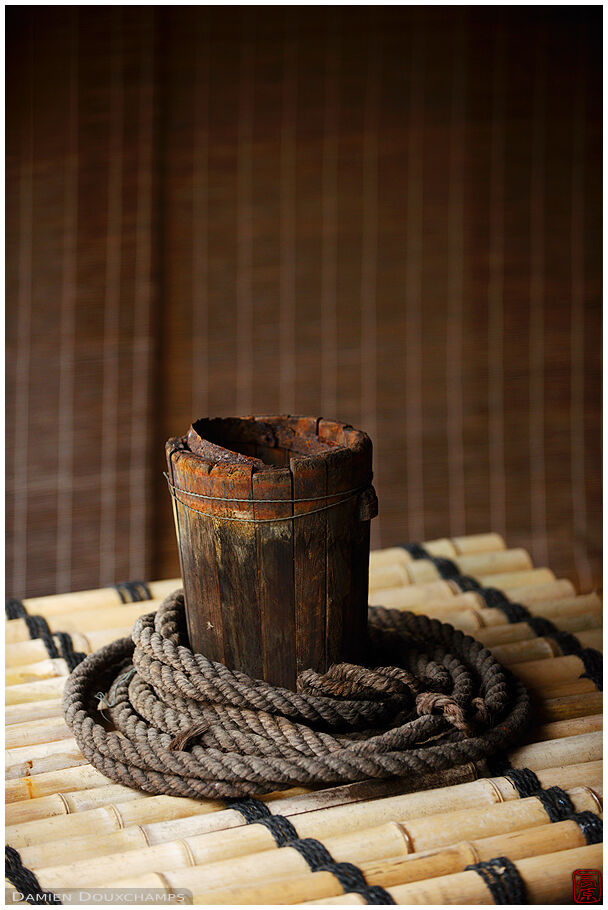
(186,726)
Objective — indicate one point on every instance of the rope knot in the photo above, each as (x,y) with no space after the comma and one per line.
(427,702)
(352,681)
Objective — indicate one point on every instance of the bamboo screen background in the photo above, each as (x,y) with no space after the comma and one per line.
(391,216)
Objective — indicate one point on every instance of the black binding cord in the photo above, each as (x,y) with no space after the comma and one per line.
(24,880)
(38,627)
(504,882)
(317,857)
(555,801)
(514,612)
(132,591)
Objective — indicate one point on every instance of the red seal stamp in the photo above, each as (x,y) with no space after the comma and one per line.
(587,886)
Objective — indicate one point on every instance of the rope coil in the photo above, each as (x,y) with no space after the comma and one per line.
(187,726)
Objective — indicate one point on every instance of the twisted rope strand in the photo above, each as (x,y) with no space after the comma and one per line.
(187,726)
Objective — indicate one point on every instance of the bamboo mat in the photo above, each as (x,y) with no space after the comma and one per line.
(511,832)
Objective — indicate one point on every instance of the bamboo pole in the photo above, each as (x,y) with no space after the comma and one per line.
(562,608)
(547,879)
(107,818)
(34,691)
(46,842)
(68,803)
(475,564)
(387,872)
(85,621)
(569,727)
(563,707)
(97,598)
(509,580)
(36,732)
(417,833)
(43,669)
(431,592)
(540,673)
(19,713)
(24,753)
(33,650)
(518,631)
(569,687)
(64,780)
(542,648)
(419,571)
(586,747)
(446,547)
(445,592)
(473,620)
(63,754)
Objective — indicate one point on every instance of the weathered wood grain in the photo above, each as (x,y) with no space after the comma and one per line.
(275,576)
(267,596)
(236,556)
(196,544)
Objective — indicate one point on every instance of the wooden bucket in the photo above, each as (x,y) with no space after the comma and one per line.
(272,519)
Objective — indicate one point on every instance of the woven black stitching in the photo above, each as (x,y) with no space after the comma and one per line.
(14,608)
(376,894)
(416,550)
(591,826)
(504,882)
(280,827)
(38,627)
(348,875)
(133,591)
(494,597)
(524,780)
(66,646)
(542,626)
(352,880)
(252,810)
(446,568)
(467,583)
(24,880)
(514,612)
(594,665)
(556,803)
(318,857)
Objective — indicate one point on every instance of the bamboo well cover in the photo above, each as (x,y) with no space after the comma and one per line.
(272,519)
(72,827)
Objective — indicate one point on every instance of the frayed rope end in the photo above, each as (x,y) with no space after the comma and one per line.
(183,739)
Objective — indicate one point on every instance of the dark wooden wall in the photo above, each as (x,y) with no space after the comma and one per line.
(387,215)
